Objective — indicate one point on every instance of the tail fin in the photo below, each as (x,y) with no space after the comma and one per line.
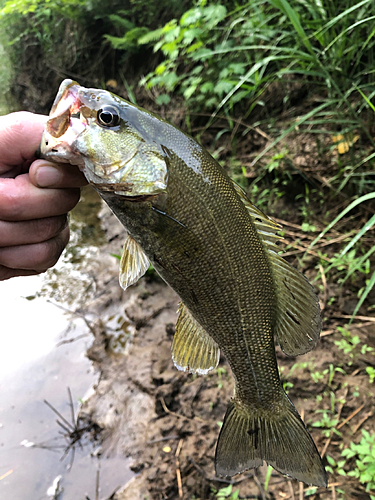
(249,436)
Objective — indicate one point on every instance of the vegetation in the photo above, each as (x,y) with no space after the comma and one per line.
(282,91)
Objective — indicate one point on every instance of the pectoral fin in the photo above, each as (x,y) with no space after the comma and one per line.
(193,350)
(134,263)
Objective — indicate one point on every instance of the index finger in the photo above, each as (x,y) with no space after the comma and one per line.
(20,135)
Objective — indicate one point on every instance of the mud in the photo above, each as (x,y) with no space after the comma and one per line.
(168,421)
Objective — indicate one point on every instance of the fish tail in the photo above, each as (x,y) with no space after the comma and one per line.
(250,435)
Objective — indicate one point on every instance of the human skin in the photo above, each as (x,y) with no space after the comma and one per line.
(35,198)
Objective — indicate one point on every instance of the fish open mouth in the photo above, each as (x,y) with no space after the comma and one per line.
(66,104)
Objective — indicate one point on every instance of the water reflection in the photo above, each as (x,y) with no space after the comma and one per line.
(35,365)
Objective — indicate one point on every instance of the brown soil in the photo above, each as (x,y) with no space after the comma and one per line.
(168,421)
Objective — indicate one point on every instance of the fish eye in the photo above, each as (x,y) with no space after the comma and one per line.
(108,116)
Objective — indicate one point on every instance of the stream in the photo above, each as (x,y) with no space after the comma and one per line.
(42,353)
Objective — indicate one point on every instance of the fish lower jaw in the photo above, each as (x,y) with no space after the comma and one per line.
(113,187)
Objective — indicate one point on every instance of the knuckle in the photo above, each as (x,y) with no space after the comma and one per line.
(49,227)
(9,205)
(73,197)
(55,247)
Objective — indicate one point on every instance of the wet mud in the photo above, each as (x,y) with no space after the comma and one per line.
(168,421)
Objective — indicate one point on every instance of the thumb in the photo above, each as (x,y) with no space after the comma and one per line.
(45,174)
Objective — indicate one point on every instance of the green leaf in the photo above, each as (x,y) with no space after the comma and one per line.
(151,36)
(163,99)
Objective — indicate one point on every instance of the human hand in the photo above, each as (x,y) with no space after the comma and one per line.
(35,197)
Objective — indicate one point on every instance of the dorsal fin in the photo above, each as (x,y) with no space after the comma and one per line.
(134,263)
(298,320)
(193,350)
(267,228)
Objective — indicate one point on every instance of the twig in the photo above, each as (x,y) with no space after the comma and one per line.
(333,492)
(178,471)
(301,495)
(324,333)
(291,490)
(305,249)
(334,240)
(179,446)
(303,236)
(361,318)
(306,489)
(329,485)
(368,415)
(161,399)
(257,482)
(69,425)
(165,438)
(75,313)
(353,414)
(287,223)
(97,485)
(71,406)
(69,341)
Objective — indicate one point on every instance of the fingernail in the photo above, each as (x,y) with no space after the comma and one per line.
(47,176)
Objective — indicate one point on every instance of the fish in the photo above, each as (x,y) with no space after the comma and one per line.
(185,216)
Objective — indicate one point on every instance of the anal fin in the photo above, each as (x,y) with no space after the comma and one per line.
(193,349)
(134,263)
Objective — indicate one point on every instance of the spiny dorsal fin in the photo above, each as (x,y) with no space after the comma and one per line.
(298,320)
(193,350)
(133,264)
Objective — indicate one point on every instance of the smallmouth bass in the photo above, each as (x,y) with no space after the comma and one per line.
(204,237)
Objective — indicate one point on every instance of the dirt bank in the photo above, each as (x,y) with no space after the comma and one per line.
(168,421)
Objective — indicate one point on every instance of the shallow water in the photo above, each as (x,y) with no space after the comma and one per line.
(35,366)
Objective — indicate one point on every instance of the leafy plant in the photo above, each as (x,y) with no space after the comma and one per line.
(364,453)
(338,466)
(350,344)
(216,57)
(371,373)
(222,374)
(227,492)
(327,423)
(133,21)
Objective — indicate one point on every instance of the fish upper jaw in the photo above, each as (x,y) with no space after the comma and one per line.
(61,148)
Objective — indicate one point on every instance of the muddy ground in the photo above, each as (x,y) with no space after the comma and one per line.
(168,421)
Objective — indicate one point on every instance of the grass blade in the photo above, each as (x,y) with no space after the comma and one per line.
(367,290)
(354,240)
(360,200)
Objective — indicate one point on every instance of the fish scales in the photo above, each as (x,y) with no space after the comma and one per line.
(217,251)
(246,286)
